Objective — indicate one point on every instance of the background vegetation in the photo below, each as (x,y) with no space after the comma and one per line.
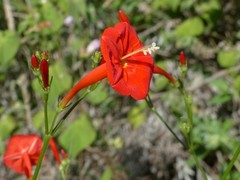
(111,136)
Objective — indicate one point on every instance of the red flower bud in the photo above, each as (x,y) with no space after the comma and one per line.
(34,62)
(182,58)
(44,72)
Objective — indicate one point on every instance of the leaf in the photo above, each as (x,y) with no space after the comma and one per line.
(7,125)
(228,58)
(9,44)
(236,83)
(98,95)
(136,115)
(166,4)
(221,85)
(38,119)
(51,14)
(78,136)
(220,99)
(191,27)
(107,175)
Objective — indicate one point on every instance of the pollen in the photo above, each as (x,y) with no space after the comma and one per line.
(151,49)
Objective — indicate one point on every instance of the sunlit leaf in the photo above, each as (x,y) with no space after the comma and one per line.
(190,27)
(228,58)
(9,44)
(78,136)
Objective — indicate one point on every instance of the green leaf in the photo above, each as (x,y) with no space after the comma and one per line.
(236,83)
(38,119)
(98,95)
(220,85)
(7,125)
(220,99)
(78,136)
(191,27)
(107,175)
(136,115)
(228,58)
(166,4)
(9,44)
(50,13)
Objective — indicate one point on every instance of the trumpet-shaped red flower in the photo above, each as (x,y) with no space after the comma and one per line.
(22,153)
(126,63)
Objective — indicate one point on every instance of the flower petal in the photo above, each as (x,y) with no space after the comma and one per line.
(20,150)
(130,75)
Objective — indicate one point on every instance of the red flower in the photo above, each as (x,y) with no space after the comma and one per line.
(44,73)
(126,63)
(22,153)
(34,62)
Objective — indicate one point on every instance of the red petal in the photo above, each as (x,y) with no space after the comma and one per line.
(27,165)
(123,17)
(17,147)
(158,70)
(53,146)
(133,80)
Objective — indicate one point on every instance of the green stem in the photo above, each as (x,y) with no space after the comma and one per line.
(188,105)
(46,112)
(58,125)
(149,102)
(234,158)
(54,121)
(198,164)
(44,148)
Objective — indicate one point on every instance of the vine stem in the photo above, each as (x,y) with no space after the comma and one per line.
(46,112)
(150,105)
(47,138)
(234,158)
(188,105)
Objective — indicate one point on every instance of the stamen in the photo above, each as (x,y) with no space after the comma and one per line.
(146,50)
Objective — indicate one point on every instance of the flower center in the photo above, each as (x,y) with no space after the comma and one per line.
(146,50)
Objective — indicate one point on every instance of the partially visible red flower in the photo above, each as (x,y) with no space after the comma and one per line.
(126,63)
(53,146)
(44,70)
(182,58)
(34,62)
(55,151)
(22,153)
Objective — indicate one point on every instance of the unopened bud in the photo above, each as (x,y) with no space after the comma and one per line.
(34,62)
(45,73)
(182,58)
